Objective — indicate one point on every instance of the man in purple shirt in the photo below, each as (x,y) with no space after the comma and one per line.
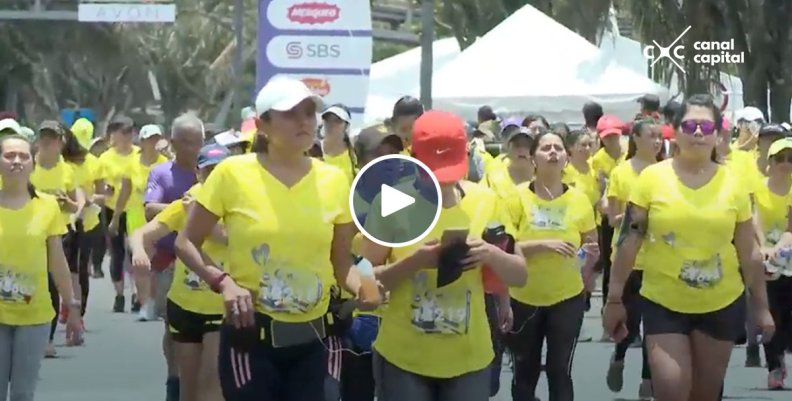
(168,182)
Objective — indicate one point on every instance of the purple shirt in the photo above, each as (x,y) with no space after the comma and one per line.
(168,182)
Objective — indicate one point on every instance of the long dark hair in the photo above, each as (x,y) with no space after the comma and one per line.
(700,100)
(637,128)
(30,188)
(260,143)
(72,151)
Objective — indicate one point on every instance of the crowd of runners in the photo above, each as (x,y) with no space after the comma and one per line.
(242,242)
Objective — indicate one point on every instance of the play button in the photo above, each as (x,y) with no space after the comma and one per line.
(395,201)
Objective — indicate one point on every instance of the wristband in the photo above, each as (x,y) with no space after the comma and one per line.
(214,285)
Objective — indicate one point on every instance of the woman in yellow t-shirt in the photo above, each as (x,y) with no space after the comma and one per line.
(289,238)
(85,167)
(54,176)
(557,234)
(772,210)
(434,342)
(336,147)
(644,149)
(194,313)
(130,198)
(26,257)
(692,221)
(116,163)
(579,173)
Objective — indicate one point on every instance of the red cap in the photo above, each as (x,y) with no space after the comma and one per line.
(668,131)
(609,125)
(439,141)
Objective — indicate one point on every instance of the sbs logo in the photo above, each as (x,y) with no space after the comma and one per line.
(294,50)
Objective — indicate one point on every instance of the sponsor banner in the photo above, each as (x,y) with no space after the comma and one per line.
(126,12)
(346,89)
(325,43)
(319,15)
(319,52)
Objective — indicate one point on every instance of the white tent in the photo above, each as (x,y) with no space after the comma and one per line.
(532,64)
(400,75)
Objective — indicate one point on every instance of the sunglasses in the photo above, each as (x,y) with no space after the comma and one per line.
(689,127)
(781,158)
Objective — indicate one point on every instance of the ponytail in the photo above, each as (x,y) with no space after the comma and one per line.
(32,191)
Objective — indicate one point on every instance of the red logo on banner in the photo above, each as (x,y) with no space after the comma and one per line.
(318,86)
(314,13)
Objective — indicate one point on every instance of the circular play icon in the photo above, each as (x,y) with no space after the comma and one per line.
(395,201)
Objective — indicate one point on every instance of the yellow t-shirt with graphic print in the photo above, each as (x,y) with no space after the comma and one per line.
(114,168)
(24,292)
(87,174)
(57,180)
(552,278)
(690,264)
(136,212)
(622,180)
(603,163)
(499,180)
(279,237)
(344,162)
(188,290)
(442,332)
(772,211)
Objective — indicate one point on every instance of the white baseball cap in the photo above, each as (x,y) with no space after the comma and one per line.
(10,124)
(282,94)
(339,112)
(750,113)
(149,131)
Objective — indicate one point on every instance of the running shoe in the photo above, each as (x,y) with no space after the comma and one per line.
(615,377)
(118,305)
(775,380)
(135,305)
(752,358)
(146,313)
(645,392)
(98,274)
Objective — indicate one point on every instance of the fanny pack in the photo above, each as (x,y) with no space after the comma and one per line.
(277,334)
(363,332)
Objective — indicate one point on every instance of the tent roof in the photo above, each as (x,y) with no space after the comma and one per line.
(532,63)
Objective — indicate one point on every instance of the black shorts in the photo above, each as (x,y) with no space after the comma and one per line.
(190,327)
(726,324)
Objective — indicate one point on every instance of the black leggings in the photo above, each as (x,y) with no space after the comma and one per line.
(491,304)
(117,247)
(559,325)
(779,296)
(604,263)
(55,297)
(632,302)
(87,246)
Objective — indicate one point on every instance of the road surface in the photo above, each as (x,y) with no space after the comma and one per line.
(122,361)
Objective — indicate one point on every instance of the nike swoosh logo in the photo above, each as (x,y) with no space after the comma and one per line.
(440,152)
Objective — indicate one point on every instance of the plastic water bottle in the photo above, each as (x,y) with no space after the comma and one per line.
(581,258)
(494,234)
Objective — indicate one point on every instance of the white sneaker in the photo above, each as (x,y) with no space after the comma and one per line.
(147,312)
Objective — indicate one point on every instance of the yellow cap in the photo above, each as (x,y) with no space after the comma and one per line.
(779,145)
(83,130)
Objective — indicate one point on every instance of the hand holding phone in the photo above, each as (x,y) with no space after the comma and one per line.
(453,252)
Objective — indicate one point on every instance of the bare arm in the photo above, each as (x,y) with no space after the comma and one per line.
(219,235)
(751,263)
(152,209)
(511,269)
(123,197)
(615,211)
(391,275)
(198,227)
(59,268)
(99,193)
(142,240)
(341,258)
(627,251)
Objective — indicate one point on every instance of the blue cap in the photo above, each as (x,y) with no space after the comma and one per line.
(212,154)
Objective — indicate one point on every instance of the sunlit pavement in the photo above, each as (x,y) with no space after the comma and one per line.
(122,361)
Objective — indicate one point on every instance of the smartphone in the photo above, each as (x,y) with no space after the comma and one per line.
(454,235)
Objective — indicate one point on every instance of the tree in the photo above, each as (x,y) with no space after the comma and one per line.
(760,30)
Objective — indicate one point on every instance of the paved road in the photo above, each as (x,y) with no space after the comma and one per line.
(122,362)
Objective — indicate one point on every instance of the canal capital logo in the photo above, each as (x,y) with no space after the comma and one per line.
(706,52)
